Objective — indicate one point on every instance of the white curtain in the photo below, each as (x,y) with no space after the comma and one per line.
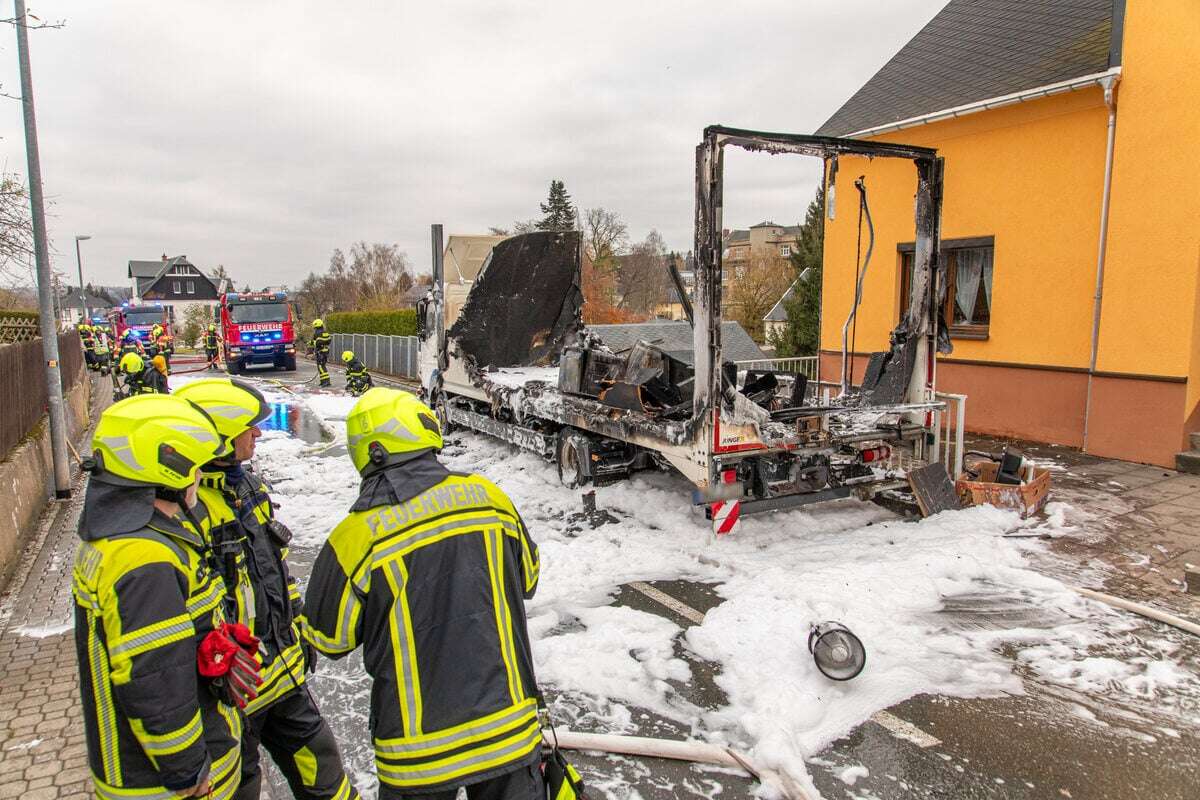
(970,266)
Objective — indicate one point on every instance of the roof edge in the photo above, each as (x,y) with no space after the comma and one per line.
(1025,95)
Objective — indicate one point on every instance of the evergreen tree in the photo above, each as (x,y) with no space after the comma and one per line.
(801,336)
(558,209)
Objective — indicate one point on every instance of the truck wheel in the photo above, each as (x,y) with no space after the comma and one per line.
(442,409)
(572,459)
(289,362)
(233,367)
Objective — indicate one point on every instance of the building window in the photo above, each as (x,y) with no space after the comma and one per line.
(177,287)
(969,267)
(191,287)
(785,251)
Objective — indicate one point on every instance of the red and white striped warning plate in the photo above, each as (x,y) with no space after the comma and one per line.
(725,516)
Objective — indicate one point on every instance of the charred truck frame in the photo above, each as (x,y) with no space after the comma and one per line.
(505,352)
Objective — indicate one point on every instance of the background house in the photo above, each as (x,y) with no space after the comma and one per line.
(176,283)
(99,299)
(1016,97)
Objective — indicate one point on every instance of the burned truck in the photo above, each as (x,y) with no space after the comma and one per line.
(505,352)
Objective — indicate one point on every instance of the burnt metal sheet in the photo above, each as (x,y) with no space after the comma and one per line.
(526,306)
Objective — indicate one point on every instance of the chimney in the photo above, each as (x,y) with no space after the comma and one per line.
(725,233)
(164,257)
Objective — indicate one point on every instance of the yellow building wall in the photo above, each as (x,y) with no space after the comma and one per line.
(1150,291)
(1029,175)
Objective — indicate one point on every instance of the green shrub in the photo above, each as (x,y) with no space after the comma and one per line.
(384,323)
(32,316)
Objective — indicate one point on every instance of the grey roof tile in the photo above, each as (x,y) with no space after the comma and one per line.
(976,49)
(676,339)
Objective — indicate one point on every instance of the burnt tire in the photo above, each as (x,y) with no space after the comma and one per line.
(441,409)
(571,457)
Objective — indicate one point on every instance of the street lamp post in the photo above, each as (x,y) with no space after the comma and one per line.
(54,392)
(87,317)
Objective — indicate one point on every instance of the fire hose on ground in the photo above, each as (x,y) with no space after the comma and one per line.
(695,752)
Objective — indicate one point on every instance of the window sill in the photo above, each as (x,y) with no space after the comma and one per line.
(965,332)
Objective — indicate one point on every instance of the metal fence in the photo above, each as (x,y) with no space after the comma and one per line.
(391,355)
(801,365)
(23,391)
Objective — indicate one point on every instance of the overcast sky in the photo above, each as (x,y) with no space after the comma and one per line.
(262,135)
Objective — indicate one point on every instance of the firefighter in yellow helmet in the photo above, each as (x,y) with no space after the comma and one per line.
(161,672)
(427,574)
(132,368)
(264,596)
(322,342)
(358,380)
(211,343)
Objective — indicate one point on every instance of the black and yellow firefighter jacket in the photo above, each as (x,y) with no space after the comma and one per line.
(146,594)
(263,596)
(428,573)
(322,342)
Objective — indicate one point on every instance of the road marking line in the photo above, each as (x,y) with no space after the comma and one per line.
(664,599)
(904,730)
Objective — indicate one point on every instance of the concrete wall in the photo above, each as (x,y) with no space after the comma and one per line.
(27,474)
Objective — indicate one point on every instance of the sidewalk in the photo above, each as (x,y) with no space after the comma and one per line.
(42,750)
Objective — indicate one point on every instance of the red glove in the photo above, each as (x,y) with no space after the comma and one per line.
(225,657)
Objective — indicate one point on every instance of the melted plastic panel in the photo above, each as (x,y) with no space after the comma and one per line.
(527,305)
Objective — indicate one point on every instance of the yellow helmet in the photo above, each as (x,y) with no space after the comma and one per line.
(347,356)
(234,406)
(155,440)
(131,363)
(159,363)
(318,323)
(212,326)
(388,426)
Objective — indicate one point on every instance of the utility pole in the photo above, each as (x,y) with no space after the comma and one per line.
(87,314)
(46,321)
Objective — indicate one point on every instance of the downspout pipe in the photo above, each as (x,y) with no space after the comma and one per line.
(858,289)
(1109,84)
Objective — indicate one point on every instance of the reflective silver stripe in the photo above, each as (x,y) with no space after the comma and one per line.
(228,412)
(183,626)
(405,647)
(508,648)
(122,449)
(204,602)
(166,745)
(106,716)
(447,741)
(196,432)
(411,775)
(392,427)
(415,540)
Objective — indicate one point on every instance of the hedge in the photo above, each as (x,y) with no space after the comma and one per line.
(386,323)
(20,315)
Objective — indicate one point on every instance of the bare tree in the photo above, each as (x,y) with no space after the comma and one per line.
(373,278)
(756,288)
(604,234)
(16,233)
(642,277)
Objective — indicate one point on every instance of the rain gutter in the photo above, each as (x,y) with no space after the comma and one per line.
(1110,100)
(1101,79)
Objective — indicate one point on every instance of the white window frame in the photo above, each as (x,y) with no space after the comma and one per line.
(177,287)
(191,287)
(785,251)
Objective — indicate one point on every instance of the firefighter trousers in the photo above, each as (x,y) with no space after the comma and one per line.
(301,745)
(523,783)
(210,354)
(322,372)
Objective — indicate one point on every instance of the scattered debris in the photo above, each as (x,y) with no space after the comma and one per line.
(933,490)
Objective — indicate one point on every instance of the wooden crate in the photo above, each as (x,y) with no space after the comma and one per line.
(1027,499)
